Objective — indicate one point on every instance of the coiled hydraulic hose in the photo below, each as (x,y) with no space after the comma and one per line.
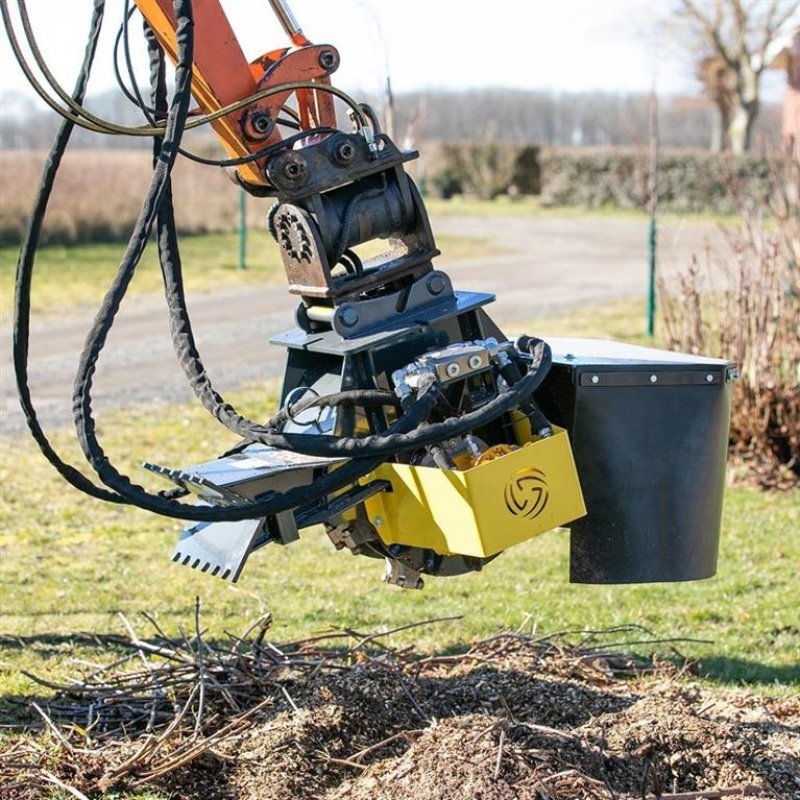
(406,433)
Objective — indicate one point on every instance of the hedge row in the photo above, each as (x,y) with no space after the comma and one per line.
(688,181)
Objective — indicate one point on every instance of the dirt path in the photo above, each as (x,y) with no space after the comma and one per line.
(544,264)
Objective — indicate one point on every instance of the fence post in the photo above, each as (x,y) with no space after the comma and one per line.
(242,228)
(652,237)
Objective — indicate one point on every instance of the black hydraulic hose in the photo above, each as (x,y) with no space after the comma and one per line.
(133,94)
(321,445)
(388,444)
(338,478)
(406,433)
(540,425)
(24,275)
(385,445)
(368,398)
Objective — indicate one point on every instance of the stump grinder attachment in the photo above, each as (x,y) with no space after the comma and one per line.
(410,426)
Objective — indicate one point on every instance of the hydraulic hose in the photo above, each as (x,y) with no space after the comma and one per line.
(25,268)
(408,432)
(157,206)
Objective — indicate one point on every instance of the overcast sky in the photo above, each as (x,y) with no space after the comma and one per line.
(559,45)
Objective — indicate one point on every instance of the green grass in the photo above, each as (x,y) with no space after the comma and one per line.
(527,205)
(71,565)
(78,275)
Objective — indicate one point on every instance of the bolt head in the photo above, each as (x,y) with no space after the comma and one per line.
(344,152)
(257,125)
(348,316)
(453,369)
(654,379)
(475,361)
(328,60)
(294,169)
(709,378)
(377,522)
(595,379)
(436,284)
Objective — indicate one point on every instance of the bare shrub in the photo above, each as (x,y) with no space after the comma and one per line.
(486,169)
(746,307)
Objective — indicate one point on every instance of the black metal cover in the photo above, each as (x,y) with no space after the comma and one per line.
(649,429)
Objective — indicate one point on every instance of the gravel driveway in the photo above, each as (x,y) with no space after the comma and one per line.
(544,264)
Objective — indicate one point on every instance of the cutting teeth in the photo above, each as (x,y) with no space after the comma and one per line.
(216,570)
(217,548)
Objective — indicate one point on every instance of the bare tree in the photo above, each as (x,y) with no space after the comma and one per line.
(736,35)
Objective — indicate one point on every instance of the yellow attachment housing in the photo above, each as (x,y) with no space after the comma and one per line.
(483,510)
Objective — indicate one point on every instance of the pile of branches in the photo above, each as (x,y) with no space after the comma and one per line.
(166,706)
(176,699)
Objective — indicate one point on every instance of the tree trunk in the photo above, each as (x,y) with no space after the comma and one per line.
(720,139)
(745,109)
(740,127)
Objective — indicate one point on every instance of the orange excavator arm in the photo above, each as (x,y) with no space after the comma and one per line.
(223,76)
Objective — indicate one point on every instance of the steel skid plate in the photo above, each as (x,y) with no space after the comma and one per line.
(222,548)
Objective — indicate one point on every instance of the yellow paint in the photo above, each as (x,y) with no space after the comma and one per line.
(483,510)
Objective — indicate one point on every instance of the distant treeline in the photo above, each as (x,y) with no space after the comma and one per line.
(585,118)
(512,115)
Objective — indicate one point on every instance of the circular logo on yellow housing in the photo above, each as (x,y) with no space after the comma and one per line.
(527,493)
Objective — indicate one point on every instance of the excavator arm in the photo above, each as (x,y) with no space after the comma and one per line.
(222,76)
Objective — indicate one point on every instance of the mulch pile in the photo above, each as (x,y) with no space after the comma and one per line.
(346,716)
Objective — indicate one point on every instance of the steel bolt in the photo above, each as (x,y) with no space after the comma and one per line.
(294,169)
(475,362)
(453,369)
(261,123)
(654,379)
(709,378)
(377,522)
(345,152)
(436,284)
(257,125)
(348,316)
(595,379)
(327,59)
